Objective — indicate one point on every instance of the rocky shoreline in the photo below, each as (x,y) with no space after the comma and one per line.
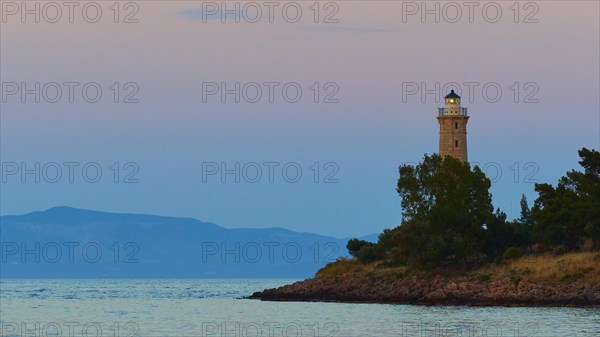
(437,290)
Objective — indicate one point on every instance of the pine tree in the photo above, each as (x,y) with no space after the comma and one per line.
(525,218)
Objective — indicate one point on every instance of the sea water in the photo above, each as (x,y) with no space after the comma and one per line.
(210,307)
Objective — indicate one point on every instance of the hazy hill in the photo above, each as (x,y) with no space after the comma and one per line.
(65,242)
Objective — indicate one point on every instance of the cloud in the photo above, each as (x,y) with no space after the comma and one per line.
(349,30)
(214,14)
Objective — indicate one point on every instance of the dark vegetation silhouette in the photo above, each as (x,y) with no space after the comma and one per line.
(449,220)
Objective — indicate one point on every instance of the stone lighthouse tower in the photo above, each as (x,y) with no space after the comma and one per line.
(453,128)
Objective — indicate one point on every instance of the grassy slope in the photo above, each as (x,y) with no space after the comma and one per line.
(582,267)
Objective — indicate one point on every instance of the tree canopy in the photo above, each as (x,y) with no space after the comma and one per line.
(570,212)
(446,205)
(449,219)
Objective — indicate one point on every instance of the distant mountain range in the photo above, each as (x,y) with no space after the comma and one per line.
(65,242)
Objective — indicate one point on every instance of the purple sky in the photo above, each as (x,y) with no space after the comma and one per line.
(367,62)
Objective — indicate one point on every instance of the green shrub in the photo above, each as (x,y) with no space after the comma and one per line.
(370,253)
(515,279)
(390,264)
(355,245)
(512,253)
(484,277)
(573,276)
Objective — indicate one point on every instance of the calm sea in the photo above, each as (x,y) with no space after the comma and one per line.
(115,308)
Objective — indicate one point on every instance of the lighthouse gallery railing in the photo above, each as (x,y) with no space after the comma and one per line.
(450,112)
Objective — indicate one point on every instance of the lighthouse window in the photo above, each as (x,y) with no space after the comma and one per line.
(456,143)
(456,125)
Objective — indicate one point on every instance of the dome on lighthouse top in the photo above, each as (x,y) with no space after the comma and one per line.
(452,94)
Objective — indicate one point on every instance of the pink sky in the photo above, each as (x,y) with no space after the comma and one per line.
(369,54)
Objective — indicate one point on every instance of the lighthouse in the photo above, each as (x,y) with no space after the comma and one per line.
(453,128)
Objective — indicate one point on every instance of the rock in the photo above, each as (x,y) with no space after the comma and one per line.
(435,291)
